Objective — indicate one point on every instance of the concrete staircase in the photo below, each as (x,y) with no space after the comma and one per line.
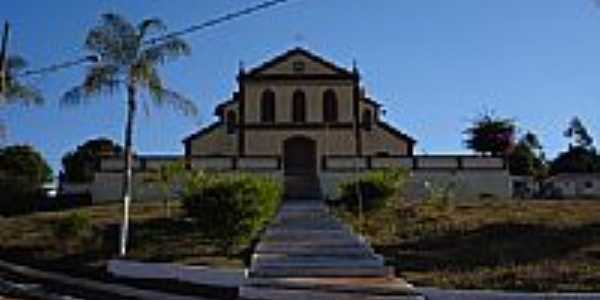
(301,187)
(306,253)
(305,241)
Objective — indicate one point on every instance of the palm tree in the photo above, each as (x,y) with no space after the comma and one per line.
(126,60)
(12,90)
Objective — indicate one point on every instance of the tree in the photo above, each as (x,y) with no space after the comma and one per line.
(491,135)
(581,157)
(22,172)
(578,134)
(22,161)
(526,157)
(12,90)
(81,164)
(125,60)
(576,160)
(166,177)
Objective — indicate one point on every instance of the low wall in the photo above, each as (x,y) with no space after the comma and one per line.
(469,176)
(466,183)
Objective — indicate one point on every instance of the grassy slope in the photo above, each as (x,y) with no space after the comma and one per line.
(534,246)
(29,239)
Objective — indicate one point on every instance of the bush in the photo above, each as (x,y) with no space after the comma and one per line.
(74,230)
(18,197)
(23,170)
(231,209)
(441,194)
(376,189)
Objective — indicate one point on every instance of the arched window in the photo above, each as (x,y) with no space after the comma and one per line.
(367,118)
(330,106)
(299,107)
(231,120)
(267,107)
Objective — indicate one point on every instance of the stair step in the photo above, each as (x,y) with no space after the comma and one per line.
(332,251)
(319,271)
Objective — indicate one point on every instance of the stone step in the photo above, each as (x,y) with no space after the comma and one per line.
(317,261)
(314,236)
(318,271)
(314,244)
(312,250)
(329,289)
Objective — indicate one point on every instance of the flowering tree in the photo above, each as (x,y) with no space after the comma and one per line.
(491,135)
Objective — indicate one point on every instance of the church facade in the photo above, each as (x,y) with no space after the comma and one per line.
(303,109)
(301,116)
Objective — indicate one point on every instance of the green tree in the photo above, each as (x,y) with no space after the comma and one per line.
(581,157)
(22,172)
(166,177)
(526,157)
(80,165)
(17,91)
(13,90)
(578,134)
(491,135)
(126,60)
(22,161)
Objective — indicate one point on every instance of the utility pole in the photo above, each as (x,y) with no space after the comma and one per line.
(3,60)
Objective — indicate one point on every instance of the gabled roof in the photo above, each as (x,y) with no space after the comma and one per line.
(389,128)
(298,51)
(371,102)
(201,132)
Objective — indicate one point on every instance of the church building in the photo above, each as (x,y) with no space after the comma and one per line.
(301,108)
(309,123)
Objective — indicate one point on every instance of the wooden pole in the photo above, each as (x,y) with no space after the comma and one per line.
(3,58)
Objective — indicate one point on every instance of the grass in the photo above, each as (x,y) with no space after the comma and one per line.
(30,240)
(526,245)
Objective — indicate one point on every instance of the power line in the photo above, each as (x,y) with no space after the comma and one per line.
(210,23)
(60,66)
(219,20)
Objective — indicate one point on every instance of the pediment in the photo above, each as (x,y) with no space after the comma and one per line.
(298,61)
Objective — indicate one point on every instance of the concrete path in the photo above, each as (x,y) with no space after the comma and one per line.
(108,288)
(441,294)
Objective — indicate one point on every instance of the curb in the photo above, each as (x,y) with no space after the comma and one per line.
(104,288)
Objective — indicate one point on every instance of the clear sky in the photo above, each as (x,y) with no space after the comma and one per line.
(434,64)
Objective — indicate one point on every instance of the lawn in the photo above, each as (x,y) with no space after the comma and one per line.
(514,245)
(530,245)
(30,240)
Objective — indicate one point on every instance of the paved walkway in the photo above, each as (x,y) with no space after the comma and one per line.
(108,288)
(440,294)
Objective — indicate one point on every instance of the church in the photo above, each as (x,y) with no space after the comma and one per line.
(309,123)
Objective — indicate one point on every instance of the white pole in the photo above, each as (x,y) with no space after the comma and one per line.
(357,180)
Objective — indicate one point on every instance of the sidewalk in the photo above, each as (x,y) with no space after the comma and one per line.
(104,288)
(440,294)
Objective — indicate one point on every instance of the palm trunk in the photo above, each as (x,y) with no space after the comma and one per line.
(127,178)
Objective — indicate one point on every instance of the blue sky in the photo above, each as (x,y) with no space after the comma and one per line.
(434,64)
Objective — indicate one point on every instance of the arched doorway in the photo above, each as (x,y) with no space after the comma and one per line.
(300,156)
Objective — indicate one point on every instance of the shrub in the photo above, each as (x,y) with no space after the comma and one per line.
(18,197)
(441,194)
(74,230)
(231,209)
(23,170)
(376,189)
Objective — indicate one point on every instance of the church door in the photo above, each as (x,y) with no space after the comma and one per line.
(300,156)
